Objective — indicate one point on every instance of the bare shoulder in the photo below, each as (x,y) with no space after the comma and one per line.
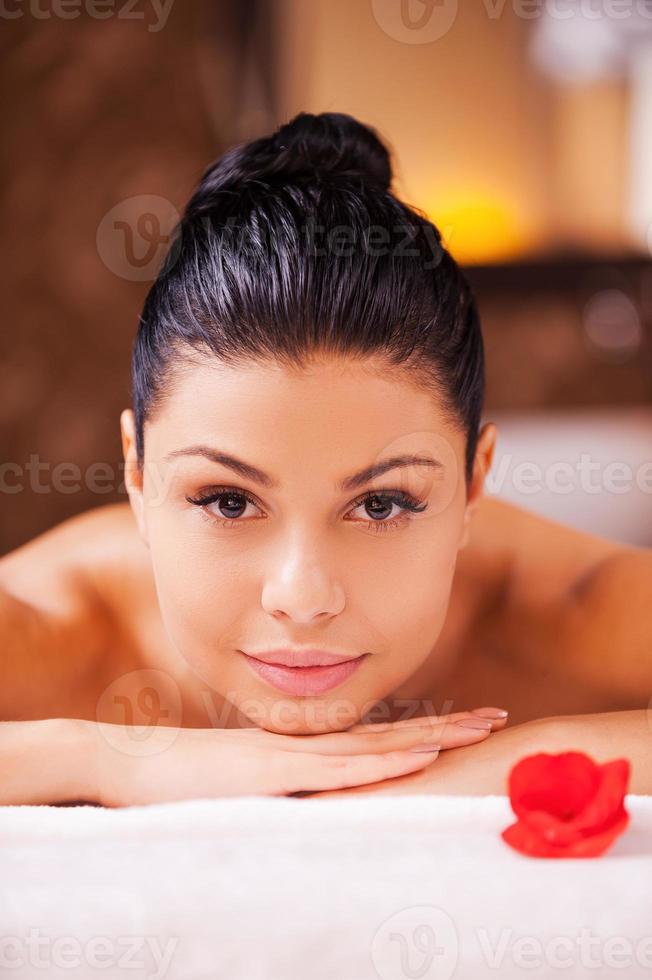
(81,579)
(536,549)
(60,623)
(525,563)
(579,596)
(78,554)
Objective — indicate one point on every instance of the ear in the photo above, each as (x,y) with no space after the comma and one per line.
(484,455)
(133,473)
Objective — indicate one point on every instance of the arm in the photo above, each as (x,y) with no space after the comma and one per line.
(47,761)
(62,760)
(603,736)
(482,770)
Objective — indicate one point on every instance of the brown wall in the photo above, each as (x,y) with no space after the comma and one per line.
(93,114)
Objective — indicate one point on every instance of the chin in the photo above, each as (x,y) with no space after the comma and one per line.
(304,716)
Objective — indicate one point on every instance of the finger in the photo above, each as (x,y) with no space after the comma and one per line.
(308,772)
(451,734)
(494,715)
(490,711)
(463,731)
(496,722)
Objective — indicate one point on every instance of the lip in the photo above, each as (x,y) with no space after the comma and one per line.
(300,656)
(320,671)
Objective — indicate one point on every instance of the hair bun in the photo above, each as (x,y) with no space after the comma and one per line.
(329,143)
(306,148)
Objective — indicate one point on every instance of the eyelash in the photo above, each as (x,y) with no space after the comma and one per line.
(405,500)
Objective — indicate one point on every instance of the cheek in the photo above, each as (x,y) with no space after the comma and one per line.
(409,602)
(411,586)
(405,604)
(200,595)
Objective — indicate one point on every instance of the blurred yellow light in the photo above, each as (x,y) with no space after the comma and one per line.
(477,228)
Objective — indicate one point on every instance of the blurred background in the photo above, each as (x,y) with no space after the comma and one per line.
(523,129)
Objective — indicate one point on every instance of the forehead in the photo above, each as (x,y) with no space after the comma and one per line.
(323,390)
(339,409)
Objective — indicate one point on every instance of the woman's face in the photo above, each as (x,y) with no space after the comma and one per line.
(302,546)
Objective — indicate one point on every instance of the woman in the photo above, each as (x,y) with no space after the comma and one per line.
(306,590)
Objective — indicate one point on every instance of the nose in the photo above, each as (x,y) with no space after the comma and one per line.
(301,588)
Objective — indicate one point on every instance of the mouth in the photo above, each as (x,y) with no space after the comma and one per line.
(304,680)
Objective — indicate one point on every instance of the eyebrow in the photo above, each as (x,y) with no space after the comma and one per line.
(250,472)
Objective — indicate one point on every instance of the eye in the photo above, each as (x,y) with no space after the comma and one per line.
(231,505)
(378,508)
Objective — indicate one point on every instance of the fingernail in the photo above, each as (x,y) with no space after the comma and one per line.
(478,724)
(426,748)
(490,712)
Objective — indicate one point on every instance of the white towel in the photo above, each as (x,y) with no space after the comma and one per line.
(254,888)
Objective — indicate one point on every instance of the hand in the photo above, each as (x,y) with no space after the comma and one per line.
(154,765)
(474,770)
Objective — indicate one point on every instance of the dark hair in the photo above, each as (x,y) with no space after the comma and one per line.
(248,276)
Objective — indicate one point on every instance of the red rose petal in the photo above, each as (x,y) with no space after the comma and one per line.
(524,839)
(610,794)
(558,784)
(567,805)
(598,814)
